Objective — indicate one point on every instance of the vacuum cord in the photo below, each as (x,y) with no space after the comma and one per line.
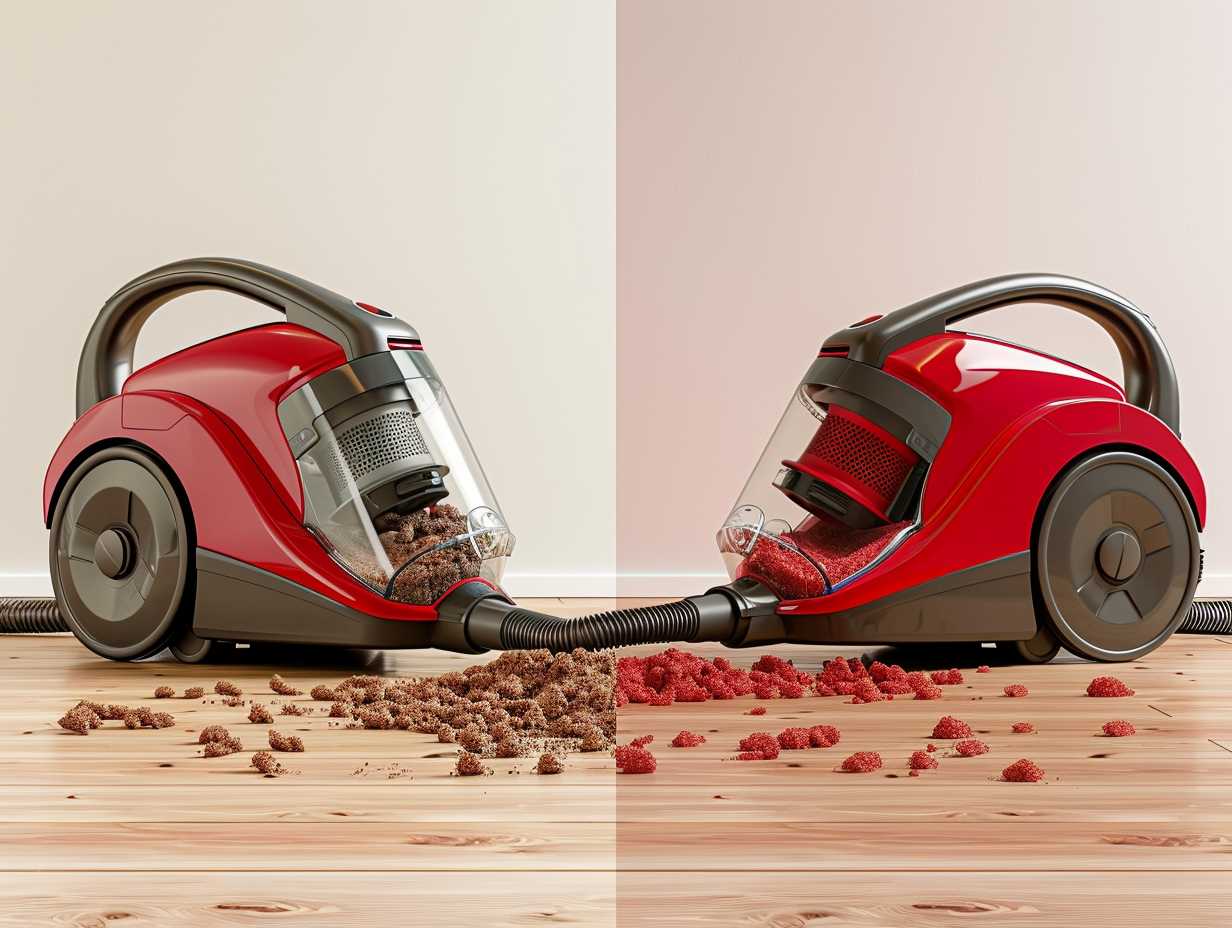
(496,624)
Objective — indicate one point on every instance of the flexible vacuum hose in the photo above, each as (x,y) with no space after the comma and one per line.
(493,623)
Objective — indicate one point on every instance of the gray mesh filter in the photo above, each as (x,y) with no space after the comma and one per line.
(381,439)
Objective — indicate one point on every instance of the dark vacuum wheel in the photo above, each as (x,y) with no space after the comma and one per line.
(1116,557)
(121,555)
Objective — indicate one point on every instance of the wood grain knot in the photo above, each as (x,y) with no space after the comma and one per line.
(970,907)
(1168,840)
(471,840)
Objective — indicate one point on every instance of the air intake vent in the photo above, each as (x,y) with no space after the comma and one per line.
(385,438)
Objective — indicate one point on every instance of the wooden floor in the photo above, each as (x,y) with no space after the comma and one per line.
(134,828)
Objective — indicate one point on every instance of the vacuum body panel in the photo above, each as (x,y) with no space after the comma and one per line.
(936,469)
(241,377)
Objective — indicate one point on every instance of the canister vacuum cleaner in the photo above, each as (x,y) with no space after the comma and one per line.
(308,481)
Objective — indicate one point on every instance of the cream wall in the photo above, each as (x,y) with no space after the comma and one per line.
(622,233)
(788,167)
(450,161)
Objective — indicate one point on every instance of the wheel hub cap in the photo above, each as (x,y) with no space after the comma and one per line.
(1119,555)
(114,553)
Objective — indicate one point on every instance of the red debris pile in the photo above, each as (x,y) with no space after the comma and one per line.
(862,762)
(922,760)
(688,739)
(1022,771)
(759,746)
(1015,690)
(1023,728)
(757,710)
(951,677)
(983,668)
(971,748)
(1108,686)
(824,736)
(950,728)
(1119,729)
(794,739)
(633,758)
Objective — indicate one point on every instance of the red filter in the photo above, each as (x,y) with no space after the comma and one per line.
(856,457)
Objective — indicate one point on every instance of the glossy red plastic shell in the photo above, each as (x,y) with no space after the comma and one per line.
(210,413)
(1019,418)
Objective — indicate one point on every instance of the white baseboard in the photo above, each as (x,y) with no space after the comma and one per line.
(1213,586)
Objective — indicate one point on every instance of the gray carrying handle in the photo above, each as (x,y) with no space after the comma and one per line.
(1150,378)
(107,357)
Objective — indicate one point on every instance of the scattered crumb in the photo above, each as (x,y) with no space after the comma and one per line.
(1022,771)
(281,742)
(688,739)
(549,764)
(1108,686)
(282,687)
(971,748)
(949,727)
(259,715)
(862,762)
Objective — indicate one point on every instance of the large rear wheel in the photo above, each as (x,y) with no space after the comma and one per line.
(121,555)
(1115,557)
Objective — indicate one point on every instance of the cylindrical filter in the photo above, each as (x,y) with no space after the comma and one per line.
(851,470)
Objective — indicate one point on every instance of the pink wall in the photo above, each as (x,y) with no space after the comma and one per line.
(785,168)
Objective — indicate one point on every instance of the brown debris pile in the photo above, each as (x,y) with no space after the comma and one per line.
(194,692)
(280,742)
(86,716)
(164,692)
(404,536)
(218,741)
(282,687)
(517,705)
(227,688)
(470,765)
(266,763)
(259,715)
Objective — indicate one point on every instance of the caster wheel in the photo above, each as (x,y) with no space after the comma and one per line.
(187,648)
(1116,557)
(121,555)
(1038,650)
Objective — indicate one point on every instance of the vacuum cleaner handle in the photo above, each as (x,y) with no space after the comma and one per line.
(1150,379)
(107,357)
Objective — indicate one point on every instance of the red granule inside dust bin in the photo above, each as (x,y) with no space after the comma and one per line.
(1022,771)
(1108,686)
(862,762)
(688,739)
(950,728)
(631,758)
(1119,729)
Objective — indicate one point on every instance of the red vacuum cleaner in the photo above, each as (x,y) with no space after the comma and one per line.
(308,481)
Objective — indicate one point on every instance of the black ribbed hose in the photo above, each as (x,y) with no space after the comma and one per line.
(494,623)
(30,616)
